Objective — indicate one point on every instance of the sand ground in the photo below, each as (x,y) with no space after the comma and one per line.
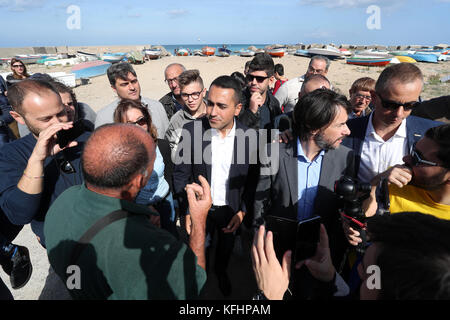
(98,93)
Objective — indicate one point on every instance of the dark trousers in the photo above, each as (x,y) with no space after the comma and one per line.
(218,218)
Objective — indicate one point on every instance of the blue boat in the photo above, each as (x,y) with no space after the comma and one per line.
(225,49)
(90,69)
(424,57)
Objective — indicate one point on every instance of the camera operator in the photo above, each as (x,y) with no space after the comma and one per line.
(34,171)
(422,184)
(415,243)
(303,184)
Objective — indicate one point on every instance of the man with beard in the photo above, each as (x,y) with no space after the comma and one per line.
(381,140)
(309,165)
(35,170)
(421,184)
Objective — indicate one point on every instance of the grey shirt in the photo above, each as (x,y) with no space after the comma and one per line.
(173,133)
(155,108)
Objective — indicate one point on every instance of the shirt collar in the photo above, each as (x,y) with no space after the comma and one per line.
(301,154)
(401,131)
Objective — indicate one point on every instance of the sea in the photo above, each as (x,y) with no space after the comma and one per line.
(233,47)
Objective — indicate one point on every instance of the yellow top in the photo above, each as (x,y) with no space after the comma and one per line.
(414,199)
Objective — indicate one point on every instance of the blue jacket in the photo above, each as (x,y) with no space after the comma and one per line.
(415,129)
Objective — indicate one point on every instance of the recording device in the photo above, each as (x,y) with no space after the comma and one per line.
(63,137)
(353,193)
(299,237)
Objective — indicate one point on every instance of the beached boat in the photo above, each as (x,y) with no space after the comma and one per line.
(113,57)
(62,62)
(444,57)
(301,53)
(276,52)
(346,52)
(208,51)
(181,52)
(373,61)
(152,54)
(394,60)
(135,57)
(67,78)
(329,52)
(197,52)
(246,53)
(5,60)
(424,57)
(401,52)
(405,59)
(224,49)
(28,58)
(223,54)
(90,69)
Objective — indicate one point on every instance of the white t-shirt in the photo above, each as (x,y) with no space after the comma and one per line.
(287,94)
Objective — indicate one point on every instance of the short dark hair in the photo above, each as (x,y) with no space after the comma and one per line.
(316,110)
(262,62)
(188,77)
(240,78)
(62,88)
(279,69)
(128,157)
(18,91)
(441,136)
(228,82)
(414,255)
(119,71)
(402,72)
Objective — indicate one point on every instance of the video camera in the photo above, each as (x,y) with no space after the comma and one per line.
(353,193)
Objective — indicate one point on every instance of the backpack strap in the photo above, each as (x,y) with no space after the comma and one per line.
(93,230)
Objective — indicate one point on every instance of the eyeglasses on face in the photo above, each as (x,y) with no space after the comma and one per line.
(168,81)
(392,105)
(141,121)
(361,96)
(416,158)
(315,71)
(18,66)
(194,95)
(259,79)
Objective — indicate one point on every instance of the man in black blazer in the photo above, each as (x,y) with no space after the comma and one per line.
(223,150)
(301,184)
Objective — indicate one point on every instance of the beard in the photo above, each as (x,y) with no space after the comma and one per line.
(324,143)
(35,131)
(430,183)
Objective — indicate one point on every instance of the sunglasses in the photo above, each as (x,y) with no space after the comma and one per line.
(142,121)
(417,159)
(259,79)
(392,105)
(17,66)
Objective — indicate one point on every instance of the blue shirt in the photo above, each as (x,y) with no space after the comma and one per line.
(308,182)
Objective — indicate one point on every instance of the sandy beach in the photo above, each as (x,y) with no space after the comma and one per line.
(98,94)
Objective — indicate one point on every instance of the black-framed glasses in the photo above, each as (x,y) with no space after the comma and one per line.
(392,105)
(417,158)
(142,121)
(168,81)
(361,96)
(194,95)
(259,79)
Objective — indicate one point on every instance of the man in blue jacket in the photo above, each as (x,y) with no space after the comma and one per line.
(381,139)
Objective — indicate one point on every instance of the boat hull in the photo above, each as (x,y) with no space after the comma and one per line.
(432,58)
(90,69)
(369,62)
(208,51)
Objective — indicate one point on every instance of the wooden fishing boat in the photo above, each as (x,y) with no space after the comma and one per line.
(90,69)
(277,52)
(208,51)
(369,61)
(246,53)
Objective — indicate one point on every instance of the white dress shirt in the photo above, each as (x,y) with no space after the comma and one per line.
(221,159)
(378,155)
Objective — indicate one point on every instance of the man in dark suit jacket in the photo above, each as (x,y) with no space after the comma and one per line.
(301,184)
(382,139)
(223,150)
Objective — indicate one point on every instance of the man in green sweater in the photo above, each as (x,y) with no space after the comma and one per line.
(129,258)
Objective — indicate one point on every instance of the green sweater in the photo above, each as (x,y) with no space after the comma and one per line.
(128,259)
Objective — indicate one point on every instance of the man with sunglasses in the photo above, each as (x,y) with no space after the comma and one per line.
(172,101)
(192,91)
(287,95)
(260,108)
(125,84)
(421,184)
(381,139)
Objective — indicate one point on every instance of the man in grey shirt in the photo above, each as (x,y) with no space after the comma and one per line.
(192,92)
(124,82)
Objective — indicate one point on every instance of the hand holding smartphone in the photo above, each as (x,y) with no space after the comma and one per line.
(66,136)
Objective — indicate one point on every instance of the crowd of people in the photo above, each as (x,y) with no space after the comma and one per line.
(139,198)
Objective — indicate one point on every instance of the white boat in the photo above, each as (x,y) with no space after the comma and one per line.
(374,53)
(198,52)
(67,78)
(444,57)
(394,60)
(152,54)
(63,62)
(113,57)
(301,53)
(246,53)
(223,54)
(329,52)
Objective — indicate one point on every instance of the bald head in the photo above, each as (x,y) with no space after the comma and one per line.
(313,82)
(115,154)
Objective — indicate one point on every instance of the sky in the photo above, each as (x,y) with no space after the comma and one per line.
(170,22)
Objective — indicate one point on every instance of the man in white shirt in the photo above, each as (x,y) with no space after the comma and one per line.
(287,95)
(221,149)
(381,139)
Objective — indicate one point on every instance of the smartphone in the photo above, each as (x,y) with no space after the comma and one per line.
(307,238)
(66,136)
(284,234)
